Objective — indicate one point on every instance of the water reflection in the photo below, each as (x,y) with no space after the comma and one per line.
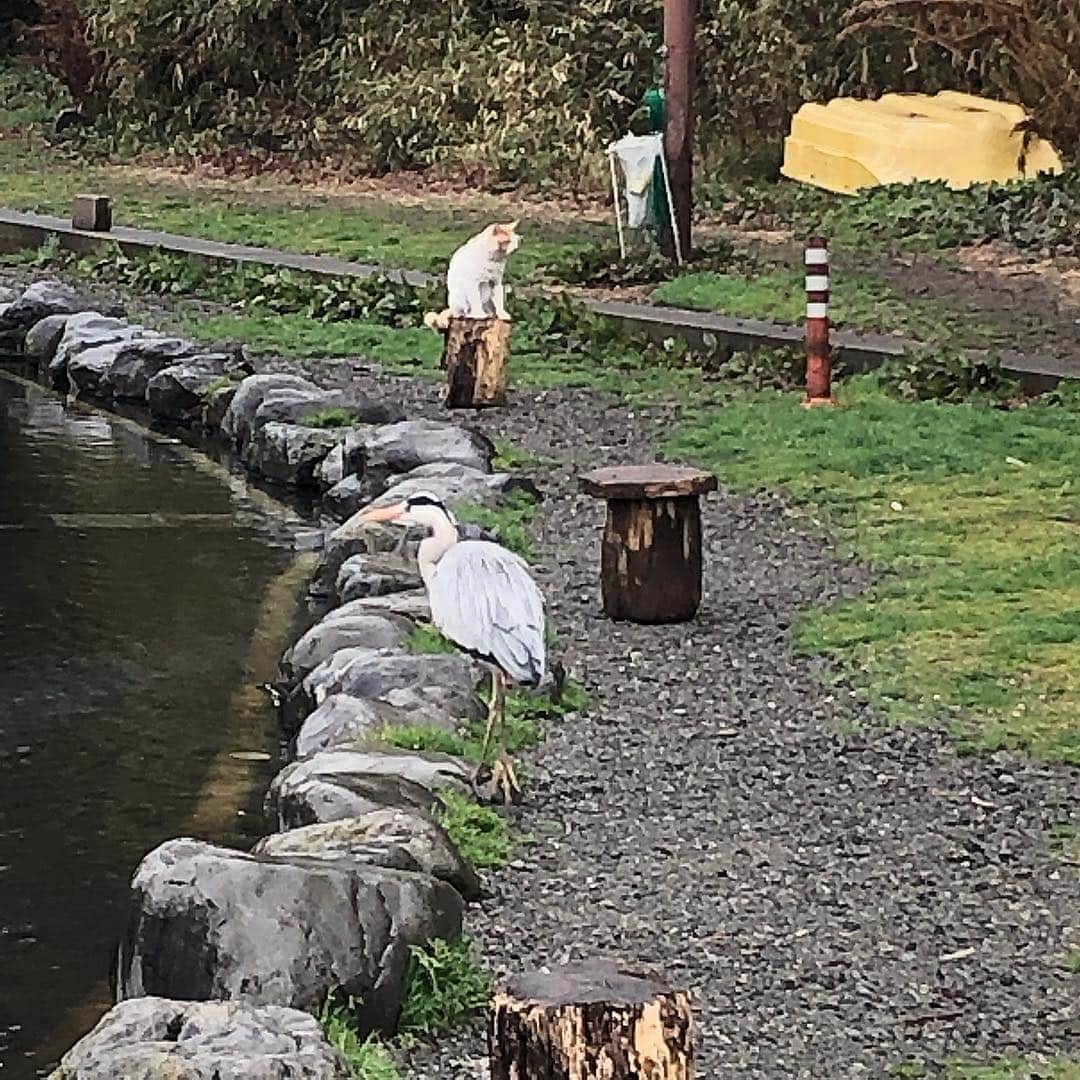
(132,579)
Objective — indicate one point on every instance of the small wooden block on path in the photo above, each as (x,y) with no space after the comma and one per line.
(92,212)
(592,1020)
(475,357)
(651,555)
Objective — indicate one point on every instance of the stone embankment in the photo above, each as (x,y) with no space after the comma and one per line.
(228,953)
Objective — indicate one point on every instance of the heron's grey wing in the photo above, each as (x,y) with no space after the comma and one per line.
(484,598)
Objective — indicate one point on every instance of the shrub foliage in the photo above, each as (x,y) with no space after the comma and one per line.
(521,90)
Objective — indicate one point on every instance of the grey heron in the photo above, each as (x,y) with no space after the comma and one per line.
(483,599)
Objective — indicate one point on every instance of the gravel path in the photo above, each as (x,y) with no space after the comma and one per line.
(836,894)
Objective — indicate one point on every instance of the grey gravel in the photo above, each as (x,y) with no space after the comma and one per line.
(816,878)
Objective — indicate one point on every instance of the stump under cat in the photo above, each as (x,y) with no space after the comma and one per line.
(475,323)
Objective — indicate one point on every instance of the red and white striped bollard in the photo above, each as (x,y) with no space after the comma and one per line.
(818,360)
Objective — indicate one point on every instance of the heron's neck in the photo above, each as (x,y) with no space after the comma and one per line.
(444,535)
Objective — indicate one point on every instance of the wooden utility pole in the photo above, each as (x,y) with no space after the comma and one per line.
(679,82)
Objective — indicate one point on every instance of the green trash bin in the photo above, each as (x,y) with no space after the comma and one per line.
(657,219)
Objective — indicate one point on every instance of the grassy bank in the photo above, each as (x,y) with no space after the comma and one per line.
(972,515)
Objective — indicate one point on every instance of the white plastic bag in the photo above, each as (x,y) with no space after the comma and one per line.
(637,156)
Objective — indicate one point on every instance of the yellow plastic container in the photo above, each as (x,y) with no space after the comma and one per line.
(850,144)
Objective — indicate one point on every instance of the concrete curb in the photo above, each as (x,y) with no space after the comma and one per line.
(856,351)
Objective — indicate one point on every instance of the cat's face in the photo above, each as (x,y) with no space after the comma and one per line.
(505,238)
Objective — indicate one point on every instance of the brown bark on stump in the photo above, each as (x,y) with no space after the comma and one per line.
(590,1021)
(650,565)
(474,357)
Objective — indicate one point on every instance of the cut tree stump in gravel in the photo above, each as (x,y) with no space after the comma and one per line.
(651,555)
(475,354)
(591,1020)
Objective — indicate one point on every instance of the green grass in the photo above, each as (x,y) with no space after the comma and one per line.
(333,417)
(509,457)
(510,521)
(444,985)
(1071,961)
(479,832)
(368,1058)
(424,638)
(1016,1069)
(403,349)
(858,301)
(361,228)
(979,620)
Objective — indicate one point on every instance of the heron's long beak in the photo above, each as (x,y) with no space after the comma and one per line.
(383,513)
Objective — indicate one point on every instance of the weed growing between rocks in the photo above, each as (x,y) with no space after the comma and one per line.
(424,638)
(444,985)
(480,833)
(508,520)
(368,1058)
(329,418)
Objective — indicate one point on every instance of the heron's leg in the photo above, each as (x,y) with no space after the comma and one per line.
(493,712)
(504,779)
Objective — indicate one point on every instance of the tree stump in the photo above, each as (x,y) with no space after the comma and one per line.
(650,567)
(474,357)
(590,1021)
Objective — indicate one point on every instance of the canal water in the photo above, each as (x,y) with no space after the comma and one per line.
(145,595)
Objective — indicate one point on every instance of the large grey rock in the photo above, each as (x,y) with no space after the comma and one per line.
(154,1038)
(177,393)
(207,922)
(375,575)
(43,337)
(82,331)
(381,835)
(348,783)
(249,396)
(339,720)
(400,448)
(88,370)
(295,405)
(342,722)
(40,300)
(346,459)
(288,453)
(445,683)
(325,638)
(374,672)
(454,485)
(7,295)
(365,538)
(412,605)
(139,361)
(346,497)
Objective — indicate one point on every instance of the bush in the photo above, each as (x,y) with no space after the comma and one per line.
(529,90)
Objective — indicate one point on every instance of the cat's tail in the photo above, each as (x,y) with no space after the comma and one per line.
(438,320)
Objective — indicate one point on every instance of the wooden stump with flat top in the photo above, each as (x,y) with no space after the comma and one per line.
(650,567)
(474,357)
(590,1021)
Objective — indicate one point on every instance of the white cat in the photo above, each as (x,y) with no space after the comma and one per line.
(474,280)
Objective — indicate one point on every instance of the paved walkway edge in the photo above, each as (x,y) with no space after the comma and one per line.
(857,351)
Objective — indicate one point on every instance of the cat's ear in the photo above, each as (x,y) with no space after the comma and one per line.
(512,227)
